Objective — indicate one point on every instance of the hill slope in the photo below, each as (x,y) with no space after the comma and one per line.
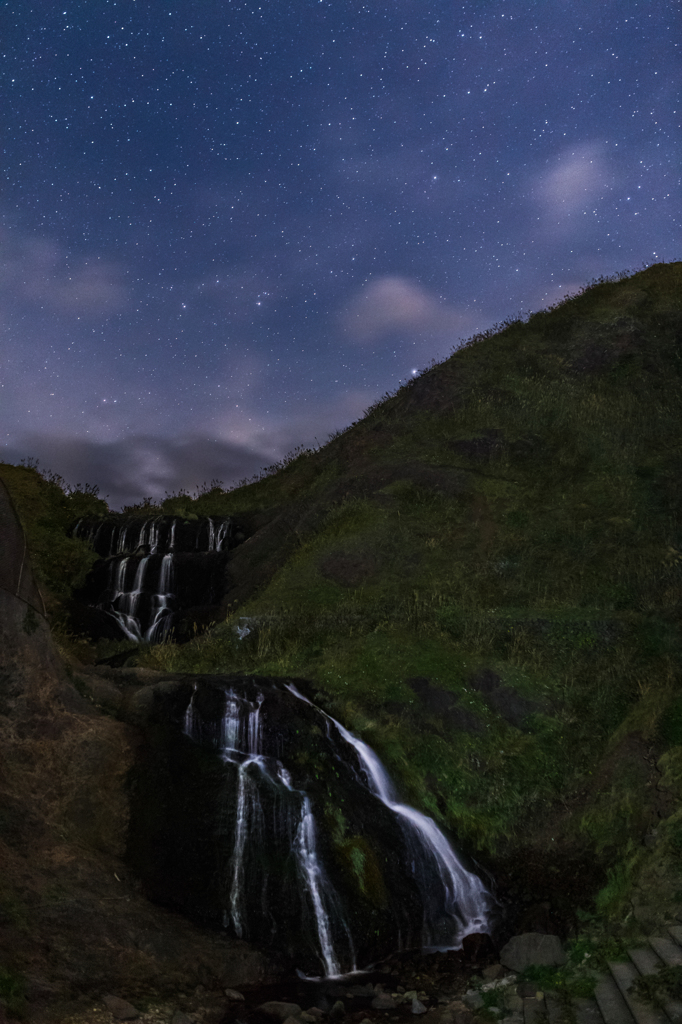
(482,577)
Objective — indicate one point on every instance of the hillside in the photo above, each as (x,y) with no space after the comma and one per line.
(507,528)
(482,579)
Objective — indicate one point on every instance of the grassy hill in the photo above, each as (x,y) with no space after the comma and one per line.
(483,578)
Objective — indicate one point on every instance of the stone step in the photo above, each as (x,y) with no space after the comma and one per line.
(533,1011)
(676,932)
(586,1011)
(613,1007)
(647,962)
(624,974)
(554,1008)
(669,952)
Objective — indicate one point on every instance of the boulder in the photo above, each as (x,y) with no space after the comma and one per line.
(181,1018)
(532,949)
(280,1010)
(382,1001)
(121,1009)
(472,999)
(456,1012)
(477,947)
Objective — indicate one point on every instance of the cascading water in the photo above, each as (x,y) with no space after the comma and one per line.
(367,864)
(153,568)
(239,742)
(463,903)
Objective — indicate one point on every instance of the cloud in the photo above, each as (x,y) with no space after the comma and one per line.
(40,272)
(396,305)
(579,176)
(135,466)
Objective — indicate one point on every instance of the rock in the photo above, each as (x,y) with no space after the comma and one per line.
(492,972)
(235,996)
(280,1010)
(38,988)
(315,1012)
(309,1018)
(291,1020)
(472,999)
(532,949)
(513,1002)
(418,1006)
(180,1018)
(338,1010)
(456,1012)
(364,990)
(477,946)
(120,1008)
(382,1001)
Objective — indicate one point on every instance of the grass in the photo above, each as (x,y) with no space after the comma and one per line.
(660,987)
(12,992)
(586,954)
(556,563)
(47,507)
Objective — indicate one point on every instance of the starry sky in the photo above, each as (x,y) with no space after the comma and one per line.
(226,229)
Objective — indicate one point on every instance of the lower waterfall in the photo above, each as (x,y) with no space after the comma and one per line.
(459,908)
(240,743)
(314,848)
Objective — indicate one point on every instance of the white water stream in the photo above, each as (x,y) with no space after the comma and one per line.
(240,743)
(465,902)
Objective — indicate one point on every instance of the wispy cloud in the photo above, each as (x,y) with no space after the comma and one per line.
(392,305)
(134,466)
(575,180)
(41,273)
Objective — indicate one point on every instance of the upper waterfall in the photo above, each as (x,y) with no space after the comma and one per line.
(152,570)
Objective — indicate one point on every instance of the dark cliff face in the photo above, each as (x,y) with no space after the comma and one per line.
(191,794)
(72,920)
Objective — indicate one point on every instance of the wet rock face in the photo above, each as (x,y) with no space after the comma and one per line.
(155,575)
(251,812)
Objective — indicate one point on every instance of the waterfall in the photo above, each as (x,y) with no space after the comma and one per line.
(316,885)
(463,904)
(274,819)
(120,546)
(239,741)
(161,602)
(180,563)
(216,538)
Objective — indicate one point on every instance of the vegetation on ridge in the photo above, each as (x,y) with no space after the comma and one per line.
(507,527)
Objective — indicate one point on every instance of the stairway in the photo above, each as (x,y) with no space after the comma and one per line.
(612,1003)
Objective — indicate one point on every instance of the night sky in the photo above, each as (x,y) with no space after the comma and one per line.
(228,228)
